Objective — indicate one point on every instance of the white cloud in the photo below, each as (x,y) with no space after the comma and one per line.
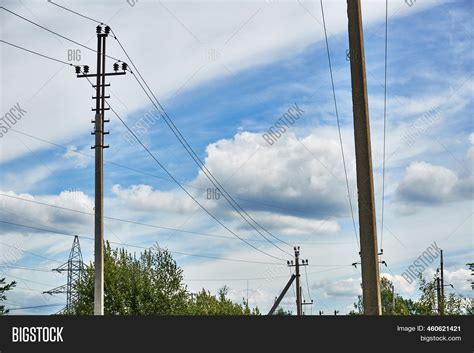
(80,158)
(350,287)
(145,198)
(427,183)
(459,278)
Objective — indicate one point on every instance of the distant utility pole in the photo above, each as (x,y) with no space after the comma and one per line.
(393,299)
(438,294)
(442,283)
(297,264)
(99,146)
(365,182)
(296,276)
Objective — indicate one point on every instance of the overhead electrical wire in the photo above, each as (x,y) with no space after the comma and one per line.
(134,245)
(29,252)
(384,124)
(154,225)
(41,229)
(35,307)
(73,150)
(307,284)
(338,123)
(187,192)
(36,53)
(201,165)
(55,33)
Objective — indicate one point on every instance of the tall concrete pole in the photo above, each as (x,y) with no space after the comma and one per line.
(442,283)
(365,182)
(99,146)
(298,285)
(99,181)
(438,294)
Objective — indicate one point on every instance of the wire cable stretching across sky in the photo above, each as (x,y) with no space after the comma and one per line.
(338,123)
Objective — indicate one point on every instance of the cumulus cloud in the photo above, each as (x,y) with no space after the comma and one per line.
(79,158)
(350,287)
(16,210)
(459,278)
(401,285)
(303,174)
(291,186)
(290,225)
(427,183)
(424,183)
(145,198)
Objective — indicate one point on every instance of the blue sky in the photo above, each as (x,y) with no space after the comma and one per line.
(295,187)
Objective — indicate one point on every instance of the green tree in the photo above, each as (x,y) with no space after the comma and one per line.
(5,287)
(204,303)
(281,311)
(454,304)
(150,283)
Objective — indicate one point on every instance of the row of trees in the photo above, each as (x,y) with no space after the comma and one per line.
(149,284)
(427,303)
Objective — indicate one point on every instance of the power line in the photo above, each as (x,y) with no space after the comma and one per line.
(28,280)
(29,252)
(186,191)
(307,284)
(159,177)
(182,187)
(258,278)
(147,225)
(77,13)
(34,307)
(146,248)
(204,169)
(36,53)
(138,246)
(384,122)
(195,157)
(55,33)
(338,124)
(26,268)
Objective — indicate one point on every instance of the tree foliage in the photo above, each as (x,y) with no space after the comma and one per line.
(5,287)
(426,304)
(204,303)
(150,283)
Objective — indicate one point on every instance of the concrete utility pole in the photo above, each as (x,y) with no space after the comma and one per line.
(99,146)
(297,264)
(393,299)
(442,283)
(438,294)
(299,308)
(365,182)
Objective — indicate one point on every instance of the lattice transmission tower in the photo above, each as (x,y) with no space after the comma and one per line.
(74,267)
